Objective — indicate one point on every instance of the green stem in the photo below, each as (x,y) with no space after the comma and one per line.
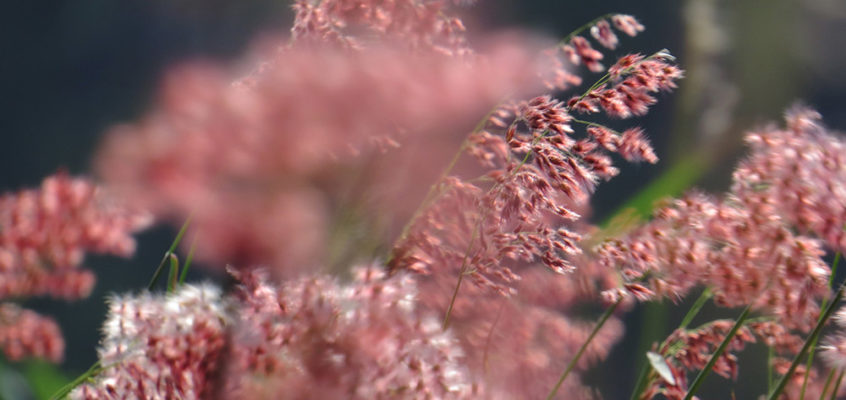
(167,254)
(837,385)
(461,273)
(714,357)
(188,261)
(173,273)
(814,334)
(814,344)
(827,384)
(770,357)
(65,390)
(572,364)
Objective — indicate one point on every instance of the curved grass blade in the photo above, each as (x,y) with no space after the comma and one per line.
(173,273)
(167,254)
(188,260)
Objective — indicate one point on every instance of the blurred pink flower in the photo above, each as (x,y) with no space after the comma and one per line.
(314,338)
(744,256)
(24,333)
(44,235)
(308,338)
(160,347)
(420,25)
(252,162)
(799,173)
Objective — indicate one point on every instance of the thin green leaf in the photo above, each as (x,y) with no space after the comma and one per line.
(188,261)
(65,390)
(837,385)
(714,357)
(167,254)
(814,344)
(173,273)
(770,358)
(671,183)
(696,307)
(827,384)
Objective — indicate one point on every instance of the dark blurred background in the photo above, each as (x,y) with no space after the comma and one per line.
(71,69)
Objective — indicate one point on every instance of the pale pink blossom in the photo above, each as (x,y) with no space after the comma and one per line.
(254,163)
(45,233)
(314,338)
(418,24)
(798,172)
(24,333)
(743,255)
(160,347)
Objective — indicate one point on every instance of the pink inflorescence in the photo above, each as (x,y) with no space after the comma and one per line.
(253,162)
(44,235)
(798,173)
(308,338)
(314,338)
(160,347)
(745,256)
(833,348)
(743,247)
(577,50)
(420,25)
(538,169)
(24,333)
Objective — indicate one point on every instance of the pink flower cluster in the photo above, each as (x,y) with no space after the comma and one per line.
(538,169)
(745,249)
(420,25)
(266,153)
(309,338)
(44,235)
(797,172)
(744,256)
(160,348)
(24,333)
(577,50)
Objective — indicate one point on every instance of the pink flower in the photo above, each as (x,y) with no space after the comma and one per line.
(798,173)
(45,233)
(313,338)
(421,25)
(745,256)
(160,347)
(256,163)
(24,333)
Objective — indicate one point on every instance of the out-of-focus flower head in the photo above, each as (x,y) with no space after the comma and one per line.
(745,257)
(160,347)
(44,235)
(314,338)
(799,173)
(418,24)
(253,161)
(306,338)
